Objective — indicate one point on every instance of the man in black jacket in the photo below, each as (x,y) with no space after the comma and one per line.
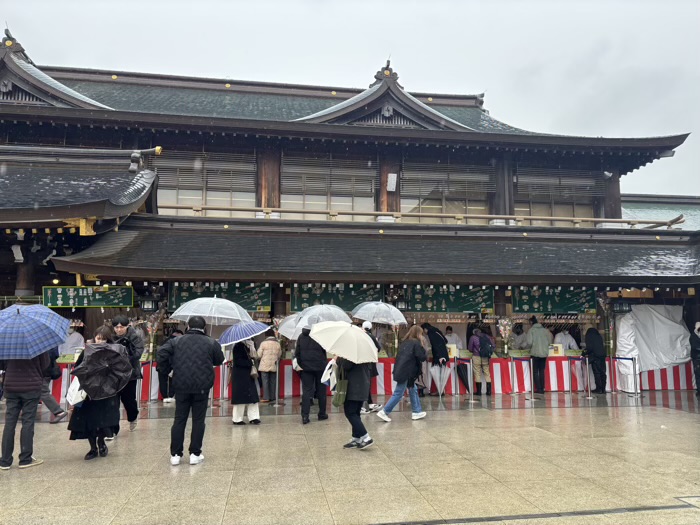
(311,357)
(192,358)
(695,355)
(129,339)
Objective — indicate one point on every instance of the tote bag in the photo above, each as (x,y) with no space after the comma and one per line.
(75,395)
(341,389)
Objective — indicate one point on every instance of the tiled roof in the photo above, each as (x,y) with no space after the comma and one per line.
(233,104)
(143,246)
(44,79)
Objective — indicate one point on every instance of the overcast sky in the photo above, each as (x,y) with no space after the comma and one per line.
(625,68)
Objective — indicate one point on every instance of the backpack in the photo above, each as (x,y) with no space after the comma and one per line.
(486,347)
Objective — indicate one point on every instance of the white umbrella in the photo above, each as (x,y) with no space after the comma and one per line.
(214,310)
(312,315)
(379,312)
(345,340)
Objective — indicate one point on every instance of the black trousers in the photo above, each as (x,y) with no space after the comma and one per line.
(696,369)
(183,404)
(311,385)
(352,413)
(128,398)
(165,385)
(599,373)
(539,366)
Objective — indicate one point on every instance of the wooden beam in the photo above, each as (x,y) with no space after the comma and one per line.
(269,161)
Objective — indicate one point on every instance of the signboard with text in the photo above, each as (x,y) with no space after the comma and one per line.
(88,296)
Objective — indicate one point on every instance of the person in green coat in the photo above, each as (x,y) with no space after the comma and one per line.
(538,339)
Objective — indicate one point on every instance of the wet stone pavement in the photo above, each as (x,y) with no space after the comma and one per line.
(560,459)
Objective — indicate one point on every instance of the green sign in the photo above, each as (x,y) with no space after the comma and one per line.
(453,298)
(88,296)
(554,300)
(254,297)
(346,296)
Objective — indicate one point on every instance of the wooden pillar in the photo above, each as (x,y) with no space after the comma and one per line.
(389,201)
(613,200)
(503,202)
(279,299)
(269,161)
(501,301)
(25,284)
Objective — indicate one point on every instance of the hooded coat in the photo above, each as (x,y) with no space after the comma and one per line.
(539,339)
(243,390)
(595,348)
(409,362)
(438,343)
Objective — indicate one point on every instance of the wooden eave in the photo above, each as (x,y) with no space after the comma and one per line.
(330,132)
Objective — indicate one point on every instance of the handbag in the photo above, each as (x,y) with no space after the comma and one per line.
(253,372)
(341,389)
(75,395)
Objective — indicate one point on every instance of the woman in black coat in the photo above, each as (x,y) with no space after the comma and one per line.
(595,351)
(96,420)
(244,394)
(358,377)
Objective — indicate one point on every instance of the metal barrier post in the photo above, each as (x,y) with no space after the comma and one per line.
(69,367)
(278,402)
(588,380)
(613,375)
(570,375)
(532,379)
(637,390)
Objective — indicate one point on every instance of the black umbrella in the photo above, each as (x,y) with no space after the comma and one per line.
(105,370)
(463,374)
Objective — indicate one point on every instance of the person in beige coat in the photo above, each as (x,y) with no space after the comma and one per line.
(269,353)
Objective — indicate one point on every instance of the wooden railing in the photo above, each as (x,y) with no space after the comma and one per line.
(516,220)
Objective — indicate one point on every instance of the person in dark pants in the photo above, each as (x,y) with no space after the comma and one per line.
(164,382)
(23,380)
(192,358)
(695,355)
(311,357)
(538,339)
(358,377)
(595,351)
(373,372)
(126,336)
(47,398)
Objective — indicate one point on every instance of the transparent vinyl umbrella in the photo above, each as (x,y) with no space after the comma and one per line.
(215,311)
(379,312)
(310,316)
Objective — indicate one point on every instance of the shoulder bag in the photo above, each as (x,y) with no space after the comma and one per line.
(341,389)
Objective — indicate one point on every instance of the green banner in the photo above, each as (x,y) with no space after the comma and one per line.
(554,301)
(88,296)
(451,299)
(254,297)
(346,296)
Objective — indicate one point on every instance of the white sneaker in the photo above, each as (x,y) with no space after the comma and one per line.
(364,411)
(196,460)
(382,415)
(375,407)
(111,438)
(418,415)
(175,460)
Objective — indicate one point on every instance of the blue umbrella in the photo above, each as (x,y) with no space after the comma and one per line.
(28,331)
(242,331)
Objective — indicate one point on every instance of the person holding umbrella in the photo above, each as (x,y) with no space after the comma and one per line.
(244,393)
(354,351)
(27,333)
(104,370)
(406,370)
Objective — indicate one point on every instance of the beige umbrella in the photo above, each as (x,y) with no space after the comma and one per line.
(345,340)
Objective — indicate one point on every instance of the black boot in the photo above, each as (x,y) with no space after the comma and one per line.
(488,389)
(477,389)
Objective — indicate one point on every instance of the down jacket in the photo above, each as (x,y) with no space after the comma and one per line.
(192,358)
(269,352)
(25,375)
(310,355)
(358,377)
